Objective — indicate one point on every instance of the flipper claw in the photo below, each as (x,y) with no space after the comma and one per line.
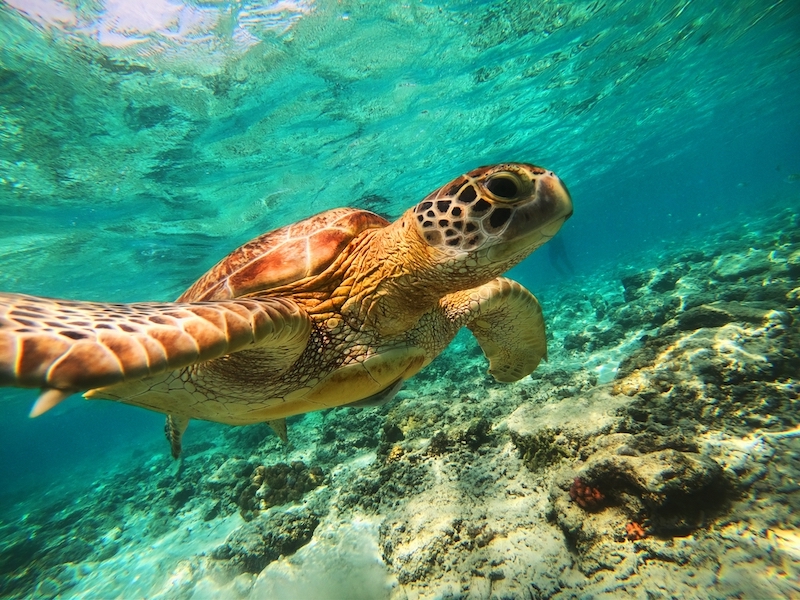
(48,399)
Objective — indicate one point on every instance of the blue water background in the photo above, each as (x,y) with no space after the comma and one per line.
(676,118)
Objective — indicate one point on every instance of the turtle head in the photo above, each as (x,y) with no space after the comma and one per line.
(493,217)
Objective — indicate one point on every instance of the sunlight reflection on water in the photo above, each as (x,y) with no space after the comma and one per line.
(154,26)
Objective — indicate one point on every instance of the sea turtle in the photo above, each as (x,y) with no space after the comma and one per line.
(337,309)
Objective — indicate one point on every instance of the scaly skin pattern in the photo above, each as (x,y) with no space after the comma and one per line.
(323,313)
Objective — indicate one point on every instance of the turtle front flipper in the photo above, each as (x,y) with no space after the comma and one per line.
(64,346)
(507,321)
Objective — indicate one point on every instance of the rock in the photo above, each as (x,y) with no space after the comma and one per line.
(736,266)
(16,555)
(73,550)
(277,484)
(665,281)
(648,312)
(383,483)
(213,511)
(477,433)
(605,337)
(634,282)
(718,314)
(589,413)
(391,433)
(675,488)
(637,285)
(257,543)
(793,263)
(439,443)
(496,575)
(540,449)
(415,557)
(673,493)
(714,375)
(229,473)
(181,496)
(106,551)
(576,341)
(666,482)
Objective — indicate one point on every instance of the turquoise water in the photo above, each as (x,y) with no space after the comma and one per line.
(137,147)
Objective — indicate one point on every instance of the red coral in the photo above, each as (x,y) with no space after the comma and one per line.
(586,496)
(635,531)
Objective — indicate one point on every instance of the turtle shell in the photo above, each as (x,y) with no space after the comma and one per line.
(283,256)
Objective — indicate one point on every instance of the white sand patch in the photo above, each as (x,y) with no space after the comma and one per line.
(588,414)
(342,562)
(156,570)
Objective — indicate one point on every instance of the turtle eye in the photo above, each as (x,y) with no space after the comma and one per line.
(504,186)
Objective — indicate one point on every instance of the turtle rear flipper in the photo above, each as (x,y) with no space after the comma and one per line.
(173,431)
(64,346)
(507,321)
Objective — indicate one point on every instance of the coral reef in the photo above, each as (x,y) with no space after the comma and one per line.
(671,391)
(276,485)
(585,496)
(675,492)
(541,449)
(259,542)
(634,531)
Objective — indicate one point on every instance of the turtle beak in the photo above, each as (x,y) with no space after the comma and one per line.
(538,219)
(554,193)
(549,206)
